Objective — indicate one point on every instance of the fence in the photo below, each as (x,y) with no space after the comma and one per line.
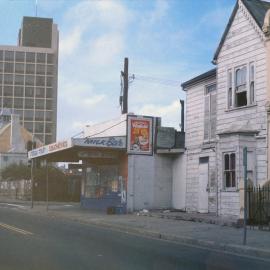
(20,189)
(59,190)
(258,205)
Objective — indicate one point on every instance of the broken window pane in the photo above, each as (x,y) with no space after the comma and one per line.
(241,99)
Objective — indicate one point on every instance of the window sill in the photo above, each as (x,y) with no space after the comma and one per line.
(240,108)
(230,190)
(209,144)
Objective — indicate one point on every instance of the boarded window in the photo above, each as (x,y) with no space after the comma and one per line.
(210,112)
(206,116)
(213,115)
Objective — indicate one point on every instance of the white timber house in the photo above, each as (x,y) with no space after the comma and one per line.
(227,109)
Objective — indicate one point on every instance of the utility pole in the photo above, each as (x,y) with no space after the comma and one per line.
(125,90)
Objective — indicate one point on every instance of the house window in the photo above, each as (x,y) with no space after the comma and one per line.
(229,170)
(210,108)
(251,83)
(230,103)
(240,86)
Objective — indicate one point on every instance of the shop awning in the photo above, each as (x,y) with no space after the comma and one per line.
(75,149)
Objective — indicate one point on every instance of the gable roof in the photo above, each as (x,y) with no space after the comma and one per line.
(256,8)
(5,133)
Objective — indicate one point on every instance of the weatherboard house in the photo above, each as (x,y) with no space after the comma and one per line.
(228,109)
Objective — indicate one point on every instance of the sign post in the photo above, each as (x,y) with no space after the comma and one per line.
(32,183)
(245,194)
(47,186)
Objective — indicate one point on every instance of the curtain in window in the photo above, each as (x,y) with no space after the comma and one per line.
(240,79)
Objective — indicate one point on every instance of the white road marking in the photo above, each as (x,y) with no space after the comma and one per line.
(16,205)
(12,204)
(14,229)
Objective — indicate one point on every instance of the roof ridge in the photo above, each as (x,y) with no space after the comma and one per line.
(257,10)
(266,2)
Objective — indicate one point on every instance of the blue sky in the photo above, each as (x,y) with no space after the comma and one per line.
(166,39)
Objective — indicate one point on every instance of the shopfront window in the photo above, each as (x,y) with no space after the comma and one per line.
(102,181)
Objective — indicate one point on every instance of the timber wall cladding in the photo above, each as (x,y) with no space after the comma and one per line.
(244,44)
(194,142)
(195,115)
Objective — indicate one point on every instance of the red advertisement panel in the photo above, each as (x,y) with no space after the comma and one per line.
(139,135)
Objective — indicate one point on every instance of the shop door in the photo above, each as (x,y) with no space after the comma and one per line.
(203,183)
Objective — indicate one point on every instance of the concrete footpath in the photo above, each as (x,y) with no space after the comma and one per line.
(213,236)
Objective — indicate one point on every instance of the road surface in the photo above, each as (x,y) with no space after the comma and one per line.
(29,241)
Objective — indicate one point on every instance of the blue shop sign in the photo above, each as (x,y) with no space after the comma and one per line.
(105,142)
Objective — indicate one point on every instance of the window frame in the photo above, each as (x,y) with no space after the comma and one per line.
(230,170)
(233,86)
(230,99)
(252,64)
(209,94)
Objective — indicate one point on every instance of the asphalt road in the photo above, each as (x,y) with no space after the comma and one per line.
(35,242)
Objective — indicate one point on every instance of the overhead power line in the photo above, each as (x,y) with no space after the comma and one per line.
(167,82)
(108,128)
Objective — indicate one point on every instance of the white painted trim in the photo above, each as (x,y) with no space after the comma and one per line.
(227,88)
(233,69)
(252,22)
(171,151)
(224,188)
(254,64)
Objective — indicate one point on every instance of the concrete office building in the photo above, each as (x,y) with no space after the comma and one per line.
(28,77)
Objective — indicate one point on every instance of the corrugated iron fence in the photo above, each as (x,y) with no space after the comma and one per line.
(258,206)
